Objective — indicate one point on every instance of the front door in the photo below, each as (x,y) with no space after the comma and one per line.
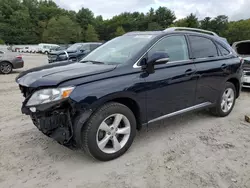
(172,86)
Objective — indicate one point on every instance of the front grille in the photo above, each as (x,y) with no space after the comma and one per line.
(47,124)
(52,57)
(246,84)
(246,73)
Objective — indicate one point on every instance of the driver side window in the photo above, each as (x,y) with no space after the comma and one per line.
(175,46)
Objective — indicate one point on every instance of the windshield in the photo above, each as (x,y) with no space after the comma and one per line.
(119,50)
(75,47)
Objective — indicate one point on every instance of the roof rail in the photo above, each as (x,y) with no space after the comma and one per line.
(190,29)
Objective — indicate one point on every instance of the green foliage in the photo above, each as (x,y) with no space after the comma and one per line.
(238,31)
(190,21)
(91,35)
(154,26)
(35,21)
(119,31)
(1,41)
(59,30)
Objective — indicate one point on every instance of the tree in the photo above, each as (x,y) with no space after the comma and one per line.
(190,21)
(59,30)
(164,17)
(85,17)
(205,23)
(91,35)
(1,41)
(119,31)
(237,31)
(153,26)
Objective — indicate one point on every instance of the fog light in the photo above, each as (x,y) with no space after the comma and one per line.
(33,109)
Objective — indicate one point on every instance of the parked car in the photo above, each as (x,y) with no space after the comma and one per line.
(242,48)
(133,80)
(56,48)
(45,48)
(74,53)
(9,61)
(25,49)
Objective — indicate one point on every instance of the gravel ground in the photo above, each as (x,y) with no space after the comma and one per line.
(192,150)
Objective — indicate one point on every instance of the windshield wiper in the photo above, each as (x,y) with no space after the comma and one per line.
(94,62)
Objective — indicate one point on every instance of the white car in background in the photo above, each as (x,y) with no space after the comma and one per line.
(45,48)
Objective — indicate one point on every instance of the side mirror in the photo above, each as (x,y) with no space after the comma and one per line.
(156,58)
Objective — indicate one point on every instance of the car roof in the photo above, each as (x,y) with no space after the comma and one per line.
(162,33)
(89,43)
(182,30)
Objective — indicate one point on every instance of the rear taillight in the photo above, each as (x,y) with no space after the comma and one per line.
(19,57)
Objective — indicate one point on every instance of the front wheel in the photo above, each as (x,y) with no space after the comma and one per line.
(109,132)
(226,101)
(5,68)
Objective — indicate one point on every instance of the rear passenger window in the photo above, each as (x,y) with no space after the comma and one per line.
(203,47)
(223,50)
(175,46)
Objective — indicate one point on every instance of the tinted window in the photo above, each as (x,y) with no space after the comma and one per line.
(94,46)
(223,50)
(85,47)
(203,47)
(175,46)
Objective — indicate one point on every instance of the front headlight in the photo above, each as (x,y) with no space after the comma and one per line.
(49,95)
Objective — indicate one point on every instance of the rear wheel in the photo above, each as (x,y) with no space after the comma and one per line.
(5,68)
(109,132)
(226,101)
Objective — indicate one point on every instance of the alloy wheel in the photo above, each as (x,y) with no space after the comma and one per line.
(227,100)
(5,68)
(113,133)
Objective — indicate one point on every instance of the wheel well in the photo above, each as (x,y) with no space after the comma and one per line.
(7,62)
(133,106)
(236,83)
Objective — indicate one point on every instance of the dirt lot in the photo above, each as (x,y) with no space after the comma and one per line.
(193,150)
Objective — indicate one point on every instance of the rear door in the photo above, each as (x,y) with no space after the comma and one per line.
(212,68)
(172,86)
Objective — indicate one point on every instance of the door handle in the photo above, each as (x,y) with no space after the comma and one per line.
(223,66)
(189,72)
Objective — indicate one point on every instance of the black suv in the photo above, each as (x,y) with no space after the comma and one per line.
(136,79)
(74,53)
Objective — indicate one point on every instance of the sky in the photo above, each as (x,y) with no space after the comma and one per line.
(235,9)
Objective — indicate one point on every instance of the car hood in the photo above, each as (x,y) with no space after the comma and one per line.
(56,73)
(62,52)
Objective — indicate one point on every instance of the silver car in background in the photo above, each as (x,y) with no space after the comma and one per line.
(10,61)
(243,50)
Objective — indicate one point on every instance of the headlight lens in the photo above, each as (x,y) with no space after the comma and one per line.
(49,95)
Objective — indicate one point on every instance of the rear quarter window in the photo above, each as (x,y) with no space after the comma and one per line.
(202,47)
(223,50)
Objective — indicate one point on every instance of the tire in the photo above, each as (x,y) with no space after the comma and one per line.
(221,111)
(92,133)
(46,53)
(74,59)
(5,68)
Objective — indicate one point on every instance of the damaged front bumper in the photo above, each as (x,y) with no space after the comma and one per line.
(61,120)
(54,121)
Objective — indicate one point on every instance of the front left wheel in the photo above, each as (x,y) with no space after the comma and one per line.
(109,132)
